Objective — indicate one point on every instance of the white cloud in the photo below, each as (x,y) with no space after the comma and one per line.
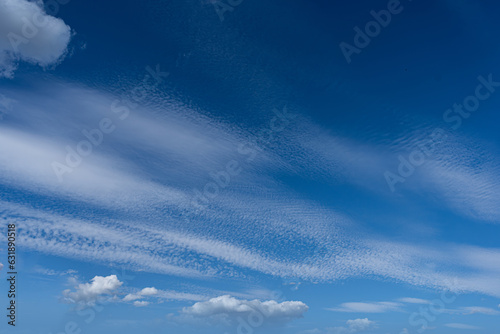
(461,326)
(108,288)
(6,104)
(28,33)
(414,300)
(479,310)
(374,307)
(141,303)
(381,307)
(168,245)
(130,297)
(51,272)
(480,258)
(89,293)
(463,174)
(141,294)
(1,266)
(352,326)
(148,292)
(230,306)
(176,295)
(311,331)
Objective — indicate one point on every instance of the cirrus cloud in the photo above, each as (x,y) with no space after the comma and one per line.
(352,326)
(230,306)
(461,326)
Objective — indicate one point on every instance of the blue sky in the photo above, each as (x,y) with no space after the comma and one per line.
(251,167)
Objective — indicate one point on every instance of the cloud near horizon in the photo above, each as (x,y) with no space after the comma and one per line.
(374,307)
(157,188)
(228,306)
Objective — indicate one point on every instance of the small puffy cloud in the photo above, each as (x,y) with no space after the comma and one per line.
(1,266)
(229,308)
(414,301)
(29,34)
(146,292)
(230,305)
(141,303)
(311,331)
(89,293)
(461,326)
(479,310)
(51,272)
(469,310)
(375,307)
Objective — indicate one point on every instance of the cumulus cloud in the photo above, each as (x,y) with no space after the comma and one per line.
(29,34)
(89,293)
(149,292)
(375,307)
(1,266)
(414,300)
(229,306)
(141,294)
(359,324)
(352,326)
